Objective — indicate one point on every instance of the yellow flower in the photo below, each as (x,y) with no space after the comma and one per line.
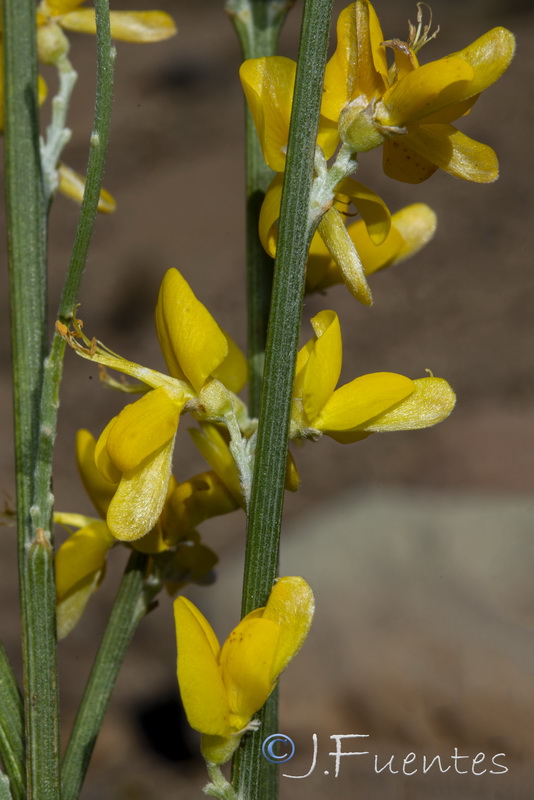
(375,403)
(130,26)
(379,239)
(408,108)
(81,560)
(268,84)
(135,449)
(222,688)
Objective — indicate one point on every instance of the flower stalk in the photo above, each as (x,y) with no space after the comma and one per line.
(264,519)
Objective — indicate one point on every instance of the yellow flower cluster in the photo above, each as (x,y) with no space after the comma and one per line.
(403,107)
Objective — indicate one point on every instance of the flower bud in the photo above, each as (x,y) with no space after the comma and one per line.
(52,44)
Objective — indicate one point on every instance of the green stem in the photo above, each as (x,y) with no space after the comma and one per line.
(53,365)
(264,522)
(26,212)
(257,24)
(131,604)
(11,728)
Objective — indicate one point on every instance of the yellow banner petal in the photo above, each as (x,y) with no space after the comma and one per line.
(246,661)
(142,428)
(268,84)
(192,342)
(430,403)
(291,605)
(324,364)
(358,66)
(140,496)
(129,26)
(425,91)
(454,152)
(357,402)
(199,677)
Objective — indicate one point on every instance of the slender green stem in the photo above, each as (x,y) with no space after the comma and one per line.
(257,24)
(53,365)
(261,560)
(11,728)
(26,210)
(131,604)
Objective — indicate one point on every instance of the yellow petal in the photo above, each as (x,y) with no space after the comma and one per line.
(489,56)
(213,446)
(71,607)
(402,163)
(140,496)
(55,8)
(191,502)
(425,91)
(334,234)
(416,225)
(374,257)
(142,428)
(268,84)
(359,65)
(372,208)
(129,26)
(321,269)
(42,90)
(192,342)
(81,555)
(246,661)
(104,464)
(269,215)
(454,152)
(292,482)
(156,541)
(98,488)
(233,372)
(291,605)
(199,677)
(430,403)
(72,185)
(324,364)
(412,228)
(357,402)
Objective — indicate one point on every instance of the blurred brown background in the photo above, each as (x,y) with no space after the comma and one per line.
(419,546)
